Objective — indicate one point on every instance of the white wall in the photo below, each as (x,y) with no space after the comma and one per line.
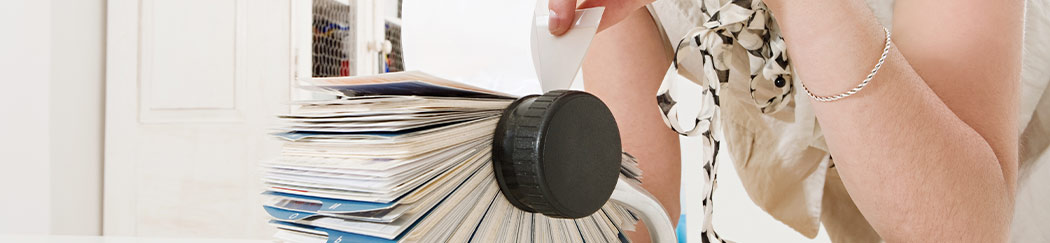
(51,116)
(24,100)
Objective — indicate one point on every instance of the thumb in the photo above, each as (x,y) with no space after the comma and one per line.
(562,12)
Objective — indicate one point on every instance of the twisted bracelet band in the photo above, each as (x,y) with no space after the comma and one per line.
(885,52)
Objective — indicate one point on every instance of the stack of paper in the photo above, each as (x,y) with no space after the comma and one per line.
(406,157)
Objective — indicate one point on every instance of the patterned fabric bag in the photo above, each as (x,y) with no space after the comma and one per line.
(734,51)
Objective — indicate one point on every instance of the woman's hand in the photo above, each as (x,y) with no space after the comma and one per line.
(564,11)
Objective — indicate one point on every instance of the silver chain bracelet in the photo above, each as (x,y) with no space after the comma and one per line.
(885,52)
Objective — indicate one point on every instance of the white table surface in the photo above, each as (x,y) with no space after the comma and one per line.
(114,239)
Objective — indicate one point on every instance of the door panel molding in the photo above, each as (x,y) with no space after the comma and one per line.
(193,49)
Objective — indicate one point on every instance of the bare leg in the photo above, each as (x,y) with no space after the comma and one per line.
(624,67)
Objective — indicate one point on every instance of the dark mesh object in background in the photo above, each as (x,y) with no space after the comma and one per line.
(333,38)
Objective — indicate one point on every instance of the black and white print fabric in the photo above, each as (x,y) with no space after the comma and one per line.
(706,124)
(704,56)
(748,25)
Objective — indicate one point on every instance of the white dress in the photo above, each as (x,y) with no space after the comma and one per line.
(750,101)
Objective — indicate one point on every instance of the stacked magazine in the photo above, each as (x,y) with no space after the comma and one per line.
(406,157)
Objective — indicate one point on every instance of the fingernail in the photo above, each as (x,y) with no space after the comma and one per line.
(553,25)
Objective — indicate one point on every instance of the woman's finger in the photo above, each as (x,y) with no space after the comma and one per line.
(561,15)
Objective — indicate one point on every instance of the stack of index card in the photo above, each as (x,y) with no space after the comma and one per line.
(406,157)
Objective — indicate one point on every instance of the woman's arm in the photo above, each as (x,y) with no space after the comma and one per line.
(624,67)
(969,53)
(928,152)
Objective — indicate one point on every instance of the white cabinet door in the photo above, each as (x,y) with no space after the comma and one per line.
(192,89)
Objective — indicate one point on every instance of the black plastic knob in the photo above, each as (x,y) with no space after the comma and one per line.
(557,154)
